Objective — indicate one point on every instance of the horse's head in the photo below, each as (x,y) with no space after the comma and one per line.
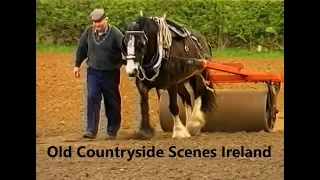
(140,44)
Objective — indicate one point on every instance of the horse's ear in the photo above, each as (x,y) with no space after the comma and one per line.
(164,15)
(141,14)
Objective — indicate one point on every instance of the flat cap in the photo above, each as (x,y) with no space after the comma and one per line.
(97,14)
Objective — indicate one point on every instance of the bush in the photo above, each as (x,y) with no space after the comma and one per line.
(236,24)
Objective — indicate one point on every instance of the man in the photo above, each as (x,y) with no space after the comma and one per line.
(100,44)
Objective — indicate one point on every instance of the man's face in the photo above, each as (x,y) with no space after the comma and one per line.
(99,24)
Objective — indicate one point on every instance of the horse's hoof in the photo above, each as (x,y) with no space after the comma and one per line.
(180,133)
(194,126)
(145,134)
(194,131)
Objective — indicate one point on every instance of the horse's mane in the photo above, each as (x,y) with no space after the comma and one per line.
(158,26)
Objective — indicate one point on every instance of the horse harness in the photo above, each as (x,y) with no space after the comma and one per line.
(164,54)
(178,31)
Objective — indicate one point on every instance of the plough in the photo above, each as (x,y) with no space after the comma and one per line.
(238,110)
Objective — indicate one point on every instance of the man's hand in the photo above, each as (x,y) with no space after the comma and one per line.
(76,72)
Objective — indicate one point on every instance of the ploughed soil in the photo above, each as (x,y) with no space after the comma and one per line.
(60,121)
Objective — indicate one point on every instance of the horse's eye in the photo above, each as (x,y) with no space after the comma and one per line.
(141,44)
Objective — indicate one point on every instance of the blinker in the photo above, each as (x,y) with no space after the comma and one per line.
(131,41)
(130,48)
(137,33)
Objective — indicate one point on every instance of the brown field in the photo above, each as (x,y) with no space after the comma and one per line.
(60,99)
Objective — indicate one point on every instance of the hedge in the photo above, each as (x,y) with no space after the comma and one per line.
(236,24)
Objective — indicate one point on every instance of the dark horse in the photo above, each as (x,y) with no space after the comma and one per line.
(157,52)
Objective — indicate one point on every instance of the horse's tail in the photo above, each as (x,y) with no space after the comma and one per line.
(204,91)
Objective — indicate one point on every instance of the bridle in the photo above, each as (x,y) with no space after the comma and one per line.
(131,42)
(156,61)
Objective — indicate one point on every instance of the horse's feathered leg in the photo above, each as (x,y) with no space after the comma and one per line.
(186,98)
(196,121)
(179,130)
(205,102)
(145,130)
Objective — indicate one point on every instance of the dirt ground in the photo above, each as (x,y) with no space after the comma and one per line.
(60,99)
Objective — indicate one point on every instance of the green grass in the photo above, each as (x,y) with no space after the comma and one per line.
(246,53)
(55,48)
(216,53)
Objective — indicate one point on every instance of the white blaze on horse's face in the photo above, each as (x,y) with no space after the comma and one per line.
(130,46)
(132,66)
